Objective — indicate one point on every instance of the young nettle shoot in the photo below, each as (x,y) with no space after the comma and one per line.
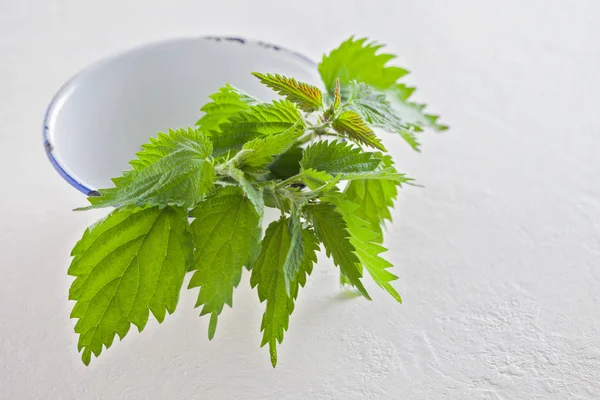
(194,201)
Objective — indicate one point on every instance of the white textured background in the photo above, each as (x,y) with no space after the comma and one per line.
(498,258)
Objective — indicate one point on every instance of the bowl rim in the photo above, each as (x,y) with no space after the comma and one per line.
(49,148)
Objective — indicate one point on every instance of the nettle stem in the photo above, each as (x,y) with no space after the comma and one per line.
(310,136)
(289,181)
(315,130)
(321,127)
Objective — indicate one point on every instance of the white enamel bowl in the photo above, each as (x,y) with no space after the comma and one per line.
(99,119)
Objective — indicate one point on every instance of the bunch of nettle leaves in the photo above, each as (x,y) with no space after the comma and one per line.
(244,155)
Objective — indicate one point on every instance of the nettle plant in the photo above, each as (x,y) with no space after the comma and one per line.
(195,199)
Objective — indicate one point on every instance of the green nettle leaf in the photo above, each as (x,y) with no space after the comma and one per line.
(293,260)
(259,153)
(368,250)
(373,106)
(375,198)
(126,265)
(358,60)
(388,174)
(245,155)
(315,179)
(351,124)
(225,103)
(365,241)
(224,226)
(376,109)
(227,145)
(264,119)
(412,114)
(338,158)
(308,97)
(331,229)
(173,169)
(268,275)
(252,191)
(257,121)
(255,243)
(310,246)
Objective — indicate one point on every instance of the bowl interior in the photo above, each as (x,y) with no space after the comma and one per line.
(100,118)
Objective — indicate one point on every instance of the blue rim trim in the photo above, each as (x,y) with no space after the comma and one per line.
(63,173)
(48,144)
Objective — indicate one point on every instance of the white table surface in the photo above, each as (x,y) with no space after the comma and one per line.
(498,257)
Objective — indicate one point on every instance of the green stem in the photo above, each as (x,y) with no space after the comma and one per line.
(289,181)
(319,127)
(306,138)
(221,169)
(311,136)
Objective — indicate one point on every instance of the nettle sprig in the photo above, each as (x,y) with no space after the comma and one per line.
(194,201)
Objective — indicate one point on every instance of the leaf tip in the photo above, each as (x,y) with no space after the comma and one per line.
(273,352)
(212,326)
(86,356)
